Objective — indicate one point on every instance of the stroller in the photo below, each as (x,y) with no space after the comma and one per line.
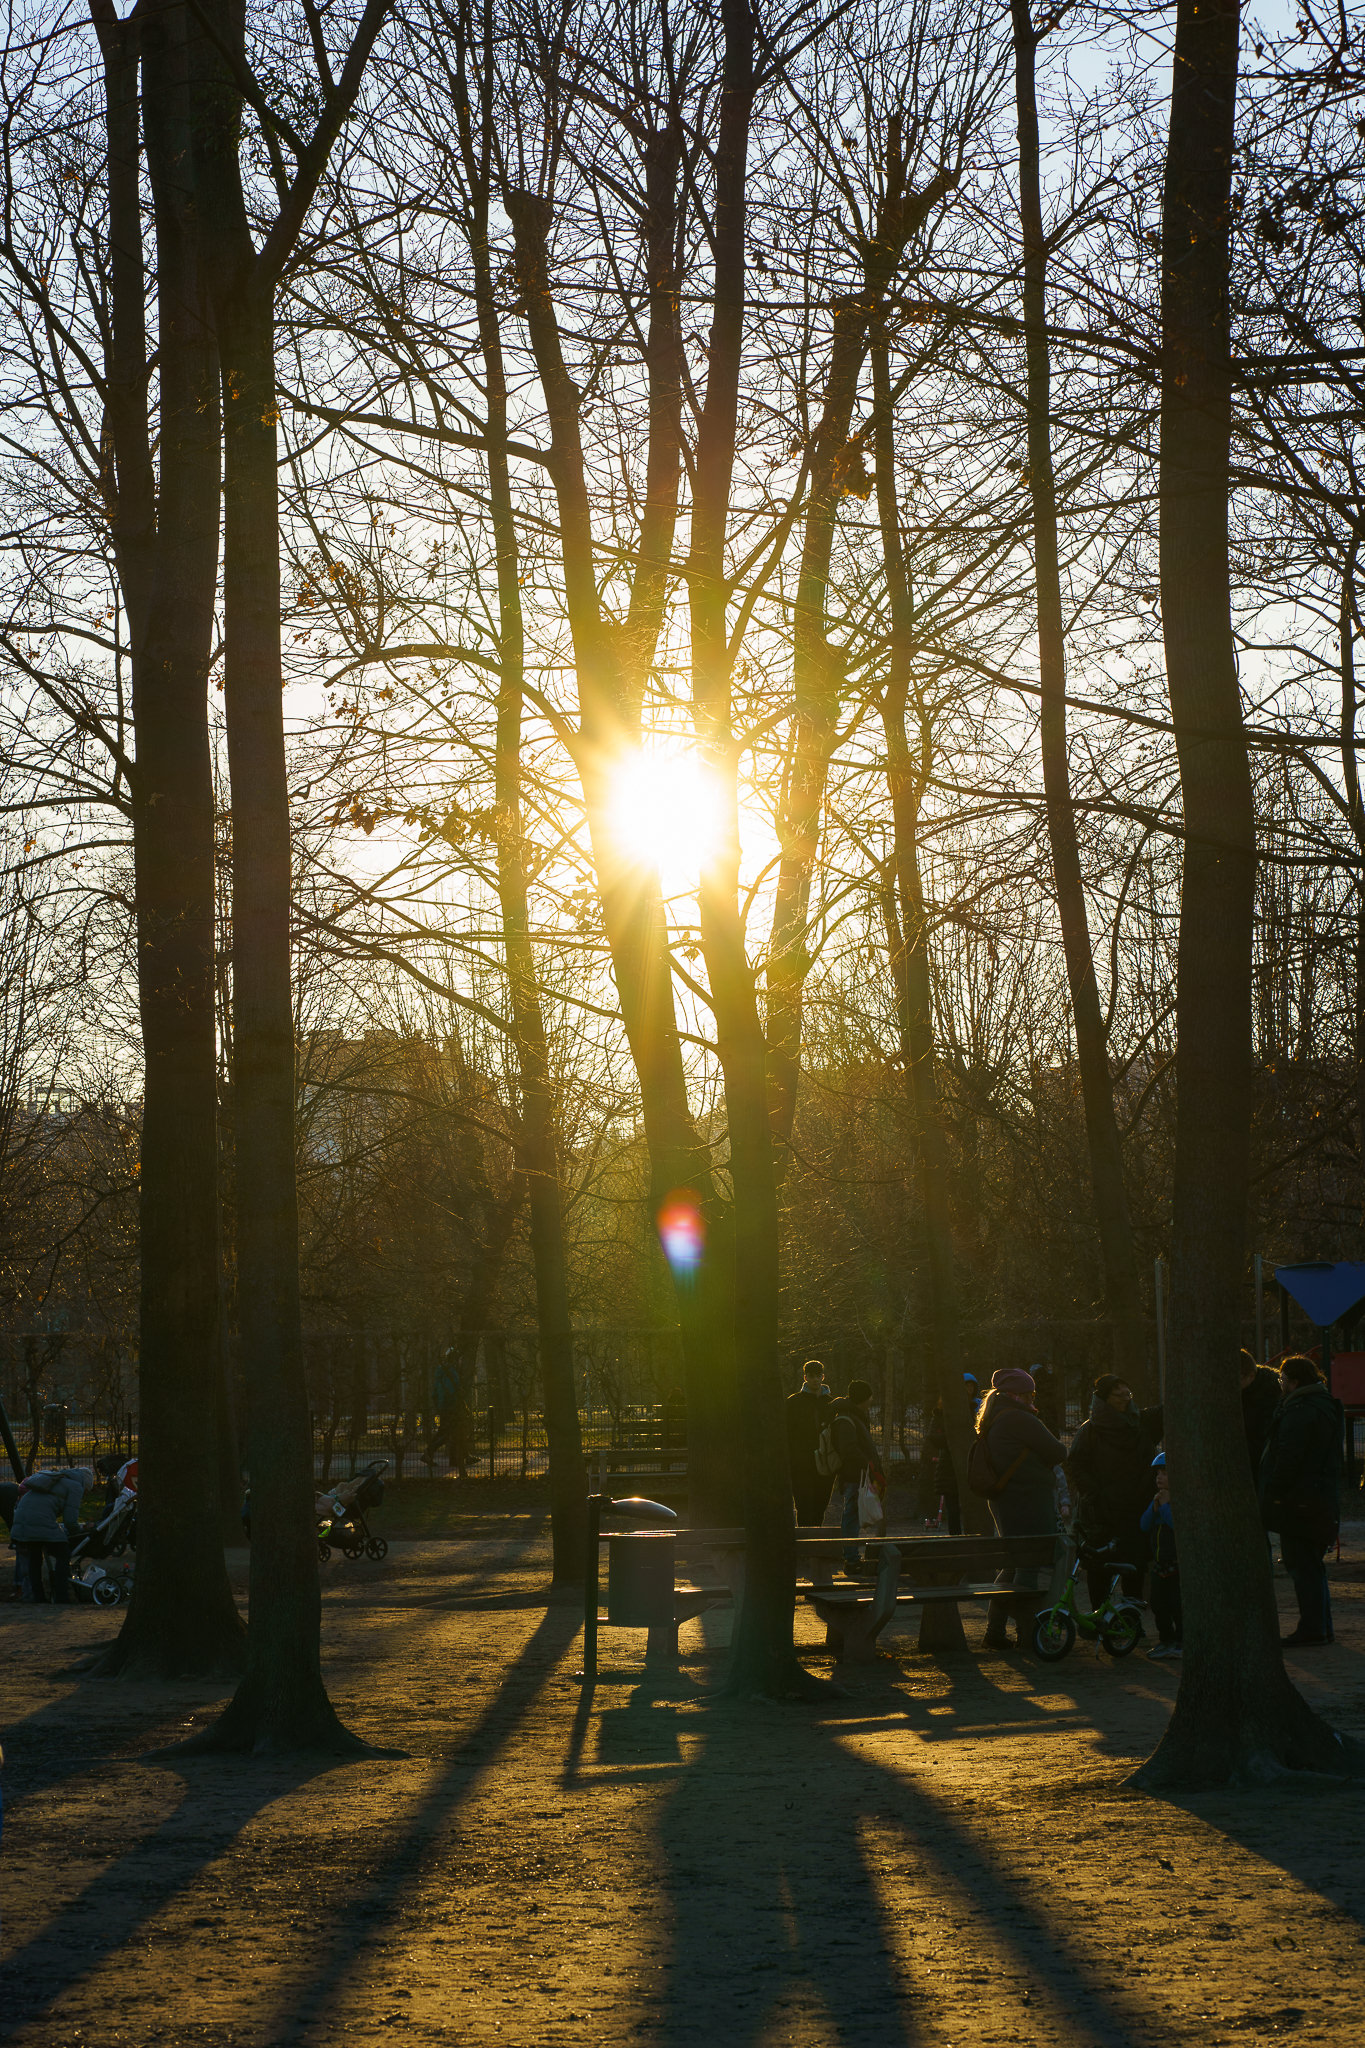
(341,1515)
(110,1537)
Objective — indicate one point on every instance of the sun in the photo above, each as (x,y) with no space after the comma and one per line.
(666,811)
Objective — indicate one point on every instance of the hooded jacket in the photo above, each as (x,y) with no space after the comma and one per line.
(50,1505)
(1110,1465)
(1301,1469)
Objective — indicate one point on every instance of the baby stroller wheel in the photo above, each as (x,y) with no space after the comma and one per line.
(106,1592)
(376,1548)
(353,1550)
(1054,1637)
(324,1551)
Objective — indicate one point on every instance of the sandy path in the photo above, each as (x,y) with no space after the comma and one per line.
(948,1859)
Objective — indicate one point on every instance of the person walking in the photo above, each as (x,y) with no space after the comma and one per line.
(1260,1399)
(1023,1454)
(857,1454)
(1158,1525)
(46,1523)
(809,1411)
(1110,1467)
(1300,1485)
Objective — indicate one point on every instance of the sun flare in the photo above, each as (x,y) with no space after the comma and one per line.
(666,810)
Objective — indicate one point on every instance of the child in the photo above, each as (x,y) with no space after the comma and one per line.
(1159,1524)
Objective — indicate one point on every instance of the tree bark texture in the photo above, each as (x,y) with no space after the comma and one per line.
(1237,1717)
(1113,1221)
(164,518)
(763,1659)
(282,1703)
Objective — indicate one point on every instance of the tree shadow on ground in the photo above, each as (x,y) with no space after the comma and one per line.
(775,1906)
(386,1891)
(135,1887)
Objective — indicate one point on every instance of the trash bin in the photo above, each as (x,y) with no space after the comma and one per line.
(640,1571)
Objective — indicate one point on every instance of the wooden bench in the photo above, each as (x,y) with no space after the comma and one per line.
(934,1574)
(931,1573)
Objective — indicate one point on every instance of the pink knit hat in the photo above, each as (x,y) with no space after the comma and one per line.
(1014,1380)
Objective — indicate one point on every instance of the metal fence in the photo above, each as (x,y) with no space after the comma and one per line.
(488,1445)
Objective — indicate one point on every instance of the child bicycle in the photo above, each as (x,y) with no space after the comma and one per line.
(1116,1624)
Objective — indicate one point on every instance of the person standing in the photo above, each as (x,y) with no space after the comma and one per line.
(809,1410)
(1110,1466)
(1300,1484)
(1260,1399)
(1158,1525)
(857,1454)
(1028,1458)
(46,1523)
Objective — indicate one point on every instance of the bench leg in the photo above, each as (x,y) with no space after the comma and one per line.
(940,1626)
(661,1643)
(856,1642)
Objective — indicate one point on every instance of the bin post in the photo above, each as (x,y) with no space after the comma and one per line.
(596,1502)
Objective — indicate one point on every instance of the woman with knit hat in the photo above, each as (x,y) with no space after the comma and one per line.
(1025,1454)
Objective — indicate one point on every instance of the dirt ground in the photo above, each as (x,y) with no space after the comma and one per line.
(944,1859)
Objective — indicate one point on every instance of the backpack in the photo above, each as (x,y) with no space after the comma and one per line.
(982,1477)
(827,1459)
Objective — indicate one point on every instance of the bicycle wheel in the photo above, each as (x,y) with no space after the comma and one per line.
(377,1547)
(1054,1635)
(1120,1637)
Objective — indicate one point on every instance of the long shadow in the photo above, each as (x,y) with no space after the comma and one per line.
(109,1911)
(777,1913)
(387,1891)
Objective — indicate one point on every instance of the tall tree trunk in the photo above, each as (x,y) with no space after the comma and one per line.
(836,472)
(611,663)
(763,1659)
(1112,1219)
(907,775)
(538,1136)
(182,1618)
(1237,1717)
(281,1702)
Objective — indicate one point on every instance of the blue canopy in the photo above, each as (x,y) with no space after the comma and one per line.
(1325,1292)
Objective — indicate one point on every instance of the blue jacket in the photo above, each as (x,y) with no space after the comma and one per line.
(1159,1524)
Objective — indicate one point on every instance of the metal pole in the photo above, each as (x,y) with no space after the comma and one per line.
(11,1448)
(1258,1264)
(596,1503)
(1160,1278)
(1284,1322)
(1325,1356)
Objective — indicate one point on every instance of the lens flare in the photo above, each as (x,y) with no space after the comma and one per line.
(682,1232)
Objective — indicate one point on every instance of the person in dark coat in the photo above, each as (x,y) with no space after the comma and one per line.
(938,1481)
(808,1411)
(1260,1399)
(1110,1467)
(1300,1483)
(1024,1452)
(857,1454)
